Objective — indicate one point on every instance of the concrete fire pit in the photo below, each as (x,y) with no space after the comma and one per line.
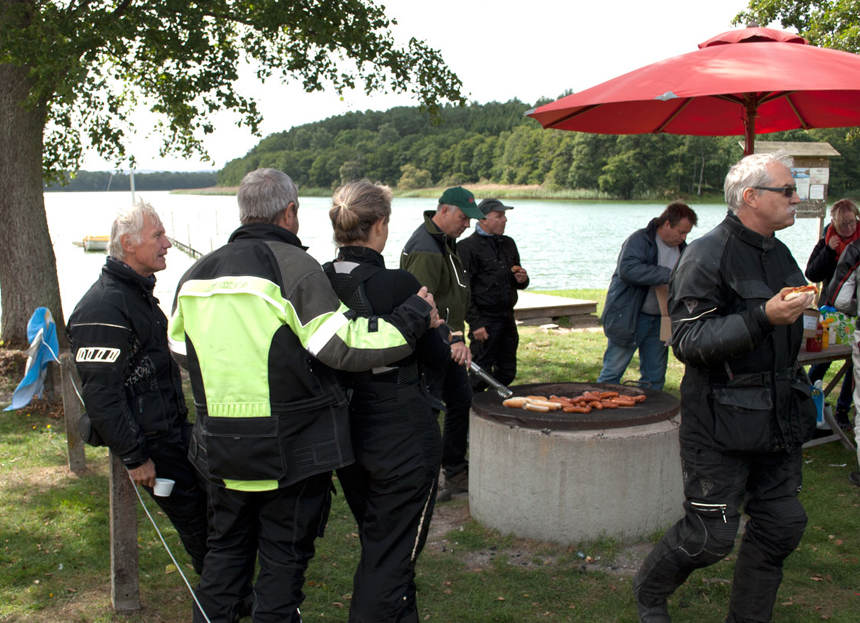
(570,477)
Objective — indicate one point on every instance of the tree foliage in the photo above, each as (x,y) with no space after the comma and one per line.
(827,23)
(93,61)
(73,70)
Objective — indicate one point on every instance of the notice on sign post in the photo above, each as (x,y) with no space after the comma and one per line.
(811,185)
(802,184)
(819,175)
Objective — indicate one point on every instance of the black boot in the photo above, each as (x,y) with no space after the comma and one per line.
(650,610)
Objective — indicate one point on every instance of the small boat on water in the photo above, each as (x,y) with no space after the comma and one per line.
(95,243)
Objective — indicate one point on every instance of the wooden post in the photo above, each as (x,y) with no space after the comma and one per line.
(124,577)
(72,414)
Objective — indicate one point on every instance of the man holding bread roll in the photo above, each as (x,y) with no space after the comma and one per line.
(492,260)
(746,408)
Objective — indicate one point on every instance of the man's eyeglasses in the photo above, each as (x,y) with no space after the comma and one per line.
(788,191)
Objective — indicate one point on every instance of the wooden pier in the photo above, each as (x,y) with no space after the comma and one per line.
(186,249)
(533,308)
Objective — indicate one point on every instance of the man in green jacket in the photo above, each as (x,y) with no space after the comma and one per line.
(431,255)
(261,331)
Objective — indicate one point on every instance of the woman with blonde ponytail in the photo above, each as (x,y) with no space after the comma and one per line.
(391,487)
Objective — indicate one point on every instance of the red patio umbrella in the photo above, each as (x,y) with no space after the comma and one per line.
(740,82)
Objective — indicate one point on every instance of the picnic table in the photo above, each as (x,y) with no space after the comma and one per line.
(834,353)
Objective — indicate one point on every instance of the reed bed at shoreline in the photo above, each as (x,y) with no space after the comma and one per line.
(483,191)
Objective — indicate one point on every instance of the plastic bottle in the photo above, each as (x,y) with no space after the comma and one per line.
(818,400)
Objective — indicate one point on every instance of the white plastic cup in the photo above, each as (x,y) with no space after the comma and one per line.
(163,487)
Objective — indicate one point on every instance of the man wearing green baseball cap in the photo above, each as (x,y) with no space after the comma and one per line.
(431,255)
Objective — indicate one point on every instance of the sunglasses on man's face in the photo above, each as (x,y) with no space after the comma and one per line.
(788,191)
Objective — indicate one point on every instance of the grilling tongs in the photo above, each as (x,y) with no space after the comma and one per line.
(501,390)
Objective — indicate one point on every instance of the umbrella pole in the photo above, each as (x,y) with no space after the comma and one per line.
(750,107)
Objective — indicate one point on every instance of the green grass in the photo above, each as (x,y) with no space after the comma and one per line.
(54,561)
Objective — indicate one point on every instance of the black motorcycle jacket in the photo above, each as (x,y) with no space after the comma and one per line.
(743,390)
(131,385)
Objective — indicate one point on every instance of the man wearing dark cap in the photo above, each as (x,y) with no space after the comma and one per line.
(493,263)
(431,255)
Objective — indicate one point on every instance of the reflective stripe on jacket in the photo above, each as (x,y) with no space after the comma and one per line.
(262,331)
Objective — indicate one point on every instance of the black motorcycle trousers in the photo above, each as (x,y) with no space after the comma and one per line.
(391,489)
(715,487)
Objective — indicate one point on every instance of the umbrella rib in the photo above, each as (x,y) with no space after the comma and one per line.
(787,95)
(803,123)
(671,117)
(734,99)
(573,115)
(775,95)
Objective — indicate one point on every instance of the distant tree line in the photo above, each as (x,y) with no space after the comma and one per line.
(161,180)
(494,142)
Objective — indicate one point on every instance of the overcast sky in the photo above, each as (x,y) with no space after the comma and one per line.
(500,50)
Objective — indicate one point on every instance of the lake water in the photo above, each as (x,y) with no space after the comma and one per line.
(562,244)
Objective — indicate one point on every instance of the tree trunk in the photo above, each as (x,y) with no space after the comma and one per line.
(28,268)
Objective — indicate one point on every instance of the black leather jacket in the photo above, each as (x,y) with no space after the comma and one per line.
(280,416)
(383,291)
(742,389)
(488,261)
(131,385)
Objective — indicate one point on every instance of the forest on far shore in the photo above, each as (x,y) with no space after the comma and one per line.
(404,148)
(490,143)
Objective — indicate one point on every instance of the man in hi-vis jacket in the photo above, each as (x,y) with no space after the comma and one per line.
(261,331)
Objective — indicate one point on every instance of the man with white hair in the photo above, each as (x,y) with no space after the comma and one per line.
(131,385)
(745,404)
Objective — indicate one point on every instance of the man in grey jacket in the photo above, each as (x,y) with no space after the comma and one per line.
(631,316)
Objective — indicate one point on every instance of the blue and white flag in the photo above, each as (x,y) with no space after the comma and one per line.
(42,333)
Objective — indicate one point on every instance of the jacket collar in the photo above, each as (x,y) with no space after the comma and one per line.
(651,228)
(480,231)
(363,255)
(430,225)
(441,237)
(747,235)
(259,231)
(121,270)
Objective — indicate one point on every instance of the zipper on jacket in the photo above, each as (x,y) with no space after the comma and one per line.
(710,509)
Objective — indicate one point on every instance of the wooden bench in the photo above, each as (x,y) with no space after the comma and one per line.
(534,308)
